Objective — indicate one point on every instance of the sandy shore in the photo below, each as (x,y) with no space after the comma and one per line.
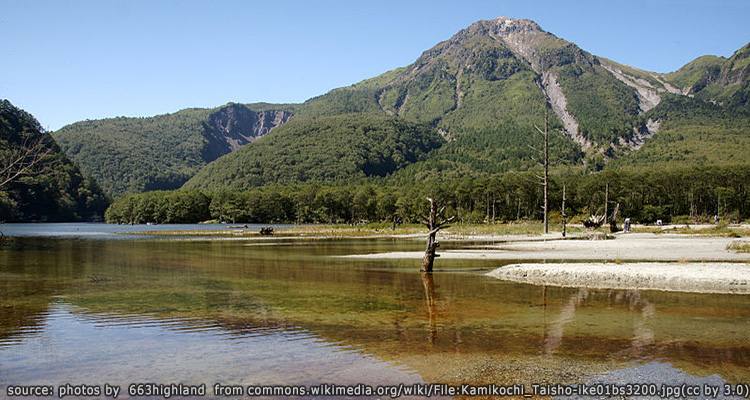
(689,277)
(625,247)
(648,261)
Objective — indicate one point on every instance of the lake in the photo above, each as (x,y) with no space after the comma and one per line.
(79,306)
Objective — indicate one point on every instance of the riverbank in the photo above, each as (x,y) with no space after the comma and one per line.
(648,261)
(681,277)
(630,247)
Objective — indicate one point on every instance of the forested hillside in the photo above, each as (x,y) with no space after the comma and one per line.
(327,149)
(132,155)
(693,132)
(37,180)
(719,80)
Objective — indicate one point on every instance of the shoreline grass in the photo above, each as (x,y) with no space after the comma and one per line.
(739,246)
(456,231)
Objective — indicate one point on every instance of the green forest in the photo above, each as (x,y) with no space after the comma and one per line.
(37,180)
(678,195)
(327,149)
(133,155)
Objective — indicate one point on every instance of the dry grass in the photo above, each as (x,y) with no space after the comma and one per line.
(739,246)
(721,230)
(456,230)
(371,230)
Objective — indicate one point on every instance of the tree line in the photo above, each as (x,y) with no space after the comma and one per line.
(678,195)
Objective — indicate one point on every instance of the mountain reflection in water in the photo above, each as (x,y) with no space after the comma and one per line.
(96,311)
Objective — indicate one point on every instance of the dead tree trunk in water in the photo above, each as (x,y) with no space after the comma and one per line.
(434,227)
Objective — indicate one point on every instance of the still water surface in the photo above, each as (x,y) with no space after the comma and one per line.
(76,309)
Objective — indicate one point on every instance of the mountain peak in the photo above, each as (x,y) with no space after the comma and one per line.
(528,41)
(511,25)
(503,27)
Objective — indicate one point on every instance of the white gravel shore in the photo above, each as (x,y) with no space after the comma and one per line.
(625,247)
(689,277)
(669,262)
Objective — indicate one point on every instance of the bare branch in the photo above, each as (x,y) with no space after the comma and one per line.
(540,131)
(22,160)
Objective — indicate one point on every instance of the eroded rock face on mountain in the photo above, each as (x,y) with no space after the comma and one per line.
(239,125)
(559,105)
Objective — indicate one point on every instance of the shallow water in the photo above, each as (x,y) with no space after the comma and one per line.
(98,230)
(93,311)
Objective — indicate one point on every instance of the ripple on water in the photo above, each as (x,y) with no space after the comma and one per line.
(72,345)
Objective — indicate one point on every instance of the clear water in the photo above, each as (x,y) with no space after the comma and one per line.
(94,311)
(99,230)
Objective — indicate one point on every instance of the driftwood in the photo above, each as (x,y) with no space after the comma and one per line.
(434,227)
(594,221)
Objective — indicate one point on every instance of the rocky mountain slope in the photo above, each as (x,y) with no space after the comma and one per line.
(131,155)
(497,70)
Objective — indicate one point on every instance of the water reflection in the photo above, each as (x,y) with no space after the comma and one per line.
(431,300)
(643,335)
(58,297)
(74,345)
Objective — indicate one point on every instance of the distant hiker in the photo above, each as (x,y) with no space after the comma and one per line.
(716,219)
(626,225)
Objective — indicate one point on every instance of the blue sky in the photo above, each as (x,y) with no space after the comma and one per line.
(66,61)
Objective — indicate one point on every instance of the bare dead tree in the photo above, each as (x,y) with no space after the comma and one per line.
(22,160)
(613,222)
(544,179)
(434,226)
(564,231)
(606,204)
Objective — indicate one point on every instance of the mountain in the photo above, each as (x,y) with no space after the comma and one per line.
(486,92)
(37,180)
(723,81)
(701,111)
(131,155)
